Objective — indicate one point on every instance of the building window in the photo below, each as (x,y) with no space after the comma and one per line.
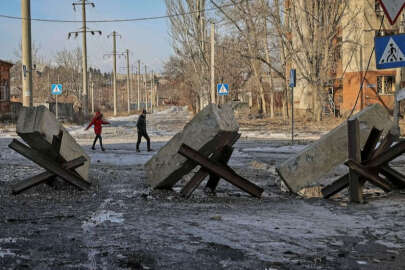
(4,91)
(385,85)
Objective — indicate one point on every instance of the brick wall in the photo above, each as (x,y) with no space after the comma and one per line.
(351,86)
(5,81)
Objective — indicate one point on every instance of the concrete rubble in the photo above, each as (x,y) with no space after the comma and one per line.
(167,167)
(307,168)
(37,126)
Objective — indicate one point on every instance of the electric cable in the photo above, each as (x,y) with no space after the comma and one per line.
(119,20)
(365,74)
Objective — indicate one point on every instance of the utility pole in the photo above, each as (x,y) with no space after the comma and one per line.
(27,96)
(139,92)
(151,92)
(92,97)
(128,83)
(84,31)
(92,93)
(212,62)
(157,97)
(146,90)
(115,71)
(114,55)
(157,94)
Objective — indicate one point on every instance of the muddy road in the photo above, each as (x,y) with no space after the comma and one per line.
(121,224)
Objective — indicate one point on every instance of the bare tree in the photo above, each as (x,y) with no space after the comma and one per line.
(188,40)
(312,42)
(69,70)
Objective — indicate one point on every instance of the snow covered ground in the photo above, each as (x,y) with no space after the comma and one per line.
(122,224)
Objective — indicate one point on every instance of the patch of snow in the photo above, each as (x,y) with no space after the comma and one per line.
(6,252)
(120,159)
(282,149)
(174,109)
(266,134)
(101,217)
(389,244)
(10,240)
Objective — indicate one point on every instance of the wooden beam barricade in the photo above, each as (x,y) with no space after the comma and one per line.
(368,164)
(221,170)
(61,168)
(222,156)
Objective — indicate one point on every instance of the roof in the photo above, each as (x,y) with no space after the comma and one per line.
(5,62)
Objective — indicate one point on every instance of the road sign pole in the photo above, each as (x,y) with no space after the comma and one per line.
(56,109)
(292,115)
(293,83)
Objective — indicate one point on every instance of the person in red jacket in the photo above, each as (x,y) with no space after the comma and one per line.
(97,122)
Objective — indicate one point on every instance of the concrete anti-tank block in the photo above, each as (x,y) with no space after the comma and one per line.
(317,159)
(167,167)
(37,126)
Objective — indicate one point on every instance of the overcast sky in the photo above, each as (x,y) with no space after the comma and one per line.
(147,40)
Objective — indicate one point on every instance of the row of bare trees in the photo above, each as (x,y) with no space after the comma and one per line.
(257,42)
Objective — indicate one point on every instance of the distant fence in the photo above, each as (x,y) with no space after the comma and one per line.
(134,106)
(65,110)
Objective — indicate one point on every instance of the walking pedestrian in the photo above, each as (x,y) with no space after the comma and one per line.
(141,126)
(97,121)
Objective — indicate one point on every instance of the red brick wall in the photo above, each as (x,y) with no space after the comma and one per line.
(4,71)
(4,81)
(351,86)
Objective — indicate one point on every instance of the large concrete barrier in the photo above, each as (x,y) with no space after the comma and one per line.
(37,126)
(317,159)
(202,133)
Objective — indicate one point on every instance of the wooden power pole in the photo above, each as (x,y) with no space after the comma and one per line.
(139,92)
(212,62)
(151,92)
(114,54)
(27,96)
(84,31)
(146,90)
(128,83)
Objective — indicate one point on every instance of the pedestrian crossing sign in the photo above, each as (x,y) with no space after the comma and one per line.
(389,51)
(56,89)
(222,89)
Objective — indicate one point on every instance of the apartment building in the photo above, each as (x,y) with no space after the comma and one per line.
(358,28)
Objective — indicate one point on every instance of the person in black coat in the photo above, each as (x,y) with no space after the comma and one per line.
(141,126)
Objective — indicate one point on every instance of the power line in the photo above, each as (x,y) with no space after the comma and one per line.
(119,20)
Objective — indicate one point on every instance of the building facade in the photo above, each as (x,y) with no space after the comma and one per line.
(379,85)
(5,106)
(359,26)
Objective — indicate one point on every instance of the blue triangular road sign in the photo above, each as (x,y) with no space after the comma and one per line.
(222,89)
(56,89)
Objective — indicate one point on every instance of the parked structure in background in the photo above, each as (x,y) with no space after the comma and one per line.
(352,47)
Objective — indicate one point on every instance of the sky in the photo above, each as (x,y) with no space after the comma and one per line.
(147,41)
